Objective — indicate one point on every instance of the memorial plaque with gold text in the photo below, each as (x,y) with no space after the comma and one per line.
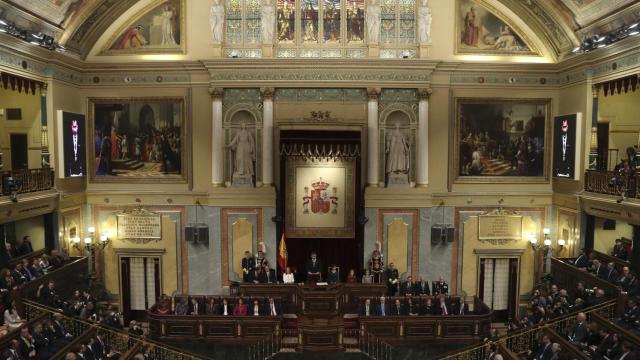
(499,227)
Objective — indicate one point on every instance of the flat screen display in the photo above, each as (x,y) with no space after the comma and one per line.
(566,149)
(73,135)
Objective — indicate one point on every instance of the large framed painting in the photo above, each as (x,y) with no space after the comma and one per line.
(158,28)
(501,140)
(137,140)
(482,29)
(567,131)
(320,198)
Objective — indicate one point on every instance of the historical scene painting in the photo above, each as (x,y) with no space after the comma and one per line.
(502,138)
(59,12)
(480,31)
(309,21)
(138,138)
(355,21)
(158,29)
(286,21)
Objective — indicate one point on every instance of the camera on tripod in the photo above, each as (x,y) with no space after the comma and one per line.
(10,187)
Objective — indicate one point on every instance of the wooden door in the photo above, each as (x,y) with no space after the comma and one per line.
(19,152)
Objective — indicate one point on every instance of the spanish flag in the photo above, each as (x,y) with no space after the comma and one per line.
(282,254)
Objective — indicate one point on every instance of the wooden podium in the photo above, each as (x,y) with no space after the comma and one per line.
(320,335)
(321,300)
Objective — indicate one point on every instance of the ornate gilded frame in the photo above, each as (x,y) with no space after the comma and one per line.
(292,231)
(106,50)
(455,168)
(185,144)
(495,12)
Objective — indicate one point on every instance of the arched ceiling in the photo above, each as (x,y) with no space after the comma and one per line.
(561,24)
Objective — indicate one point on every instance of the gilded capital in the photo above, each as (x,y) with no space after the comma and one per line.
(595,89)
(267,93)
(373,93)
(216,93)
(424,93)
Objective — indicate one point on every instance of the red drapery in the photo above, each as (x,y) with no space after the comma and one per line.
(618,85)
(19,83)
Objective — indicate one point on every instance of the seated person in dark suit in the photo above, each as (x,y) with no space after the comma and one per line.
(210,308)
(422,287)
(610,274)
(397,308)
(392,279)
(314,269)
(332,276)
(605,346)
(578,332)
(254,276)
(631,314)
(459,307)
(102,349)
(597,268)
(383,307)
(267,276)
(582,261)
(407,287)
(411,308)
(366,309)
(627,352)
(42,343)
(428,308)
(182,308)
(225,309)
(270,308)
(248,265)
(543,351)
(439,287)
(195,308)
(619,251)
(442,308)
(26,348)
(26,247)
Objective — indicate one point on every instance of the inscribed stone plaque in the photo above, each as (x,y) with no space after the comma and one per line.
(132,226)
(499,227)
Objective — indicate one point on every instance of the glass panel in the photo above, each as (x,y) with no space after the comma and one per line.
(286,21)
(388,22)
(309,21)
(252,21)
(355,21)
(331,27)
(233,15)
(407,9)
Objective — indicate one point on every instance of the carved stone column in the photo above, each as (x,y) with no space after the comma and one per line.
(372,137)
(217,145)
(422,142)
(45,160)
(267,136)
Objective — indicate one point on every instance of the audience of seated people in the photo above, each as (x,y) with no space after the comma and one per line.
(212,306)
(413,306)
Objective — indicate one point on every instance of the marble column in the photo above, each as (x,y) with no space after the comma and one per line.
(372,137)
(267,136)
(45,160)
(217,145)
(422,148)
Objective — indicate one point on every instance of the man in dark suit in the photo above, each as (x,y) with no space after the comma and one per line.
(631,314)
(12,351)
(397,309)
(195,308)
(623,279)
(439,287)
(267,276)
(442,308)
(543,352)
(42,343)
(366,309)
(627,352)
(428,308)
(383,307)
(619,251)
(459,307)
(407,286)
(578,332)
(422,287)
(392,279)
(271,308)
(582,261)
(314,269)
(597,268)
(26,349)
(254,276)
(611,274)
(248,264)
(26,247)
(224,309)
(102,349)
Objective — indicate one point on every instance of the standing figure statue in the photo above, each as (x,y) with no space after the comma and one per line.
(168,19)
(244,149)
(267,21)
(216,21)
(372,21)
(424,22)
(397,149)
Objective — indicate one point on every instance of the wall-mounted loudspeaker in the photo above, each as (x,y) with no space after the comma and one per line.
(196,233)
(441,234)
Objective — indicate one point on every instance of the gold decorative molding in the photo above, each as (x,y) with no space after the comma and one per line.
(216,93)
(425,93)
(267,93)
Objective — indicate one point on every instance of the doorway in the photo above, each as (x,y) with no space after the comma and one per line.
(141,285)
(19,152)
(498,286)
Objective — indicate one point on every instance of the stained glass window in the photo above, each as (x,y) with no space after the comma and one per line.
(331,15)
(388,22)
(309,21)
(407,15)
(286,19)
(355,21)
(242,23)
(397,23)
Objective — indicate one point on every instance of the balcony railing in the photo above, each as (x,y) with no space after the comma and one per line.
(27,181)
(608,182)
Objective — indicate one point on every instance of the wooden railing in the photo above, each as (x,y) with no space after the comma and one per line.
(600,182)
(31,180)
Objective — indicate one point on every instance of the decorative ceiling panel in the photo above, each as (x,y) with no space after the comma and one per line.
(587,11)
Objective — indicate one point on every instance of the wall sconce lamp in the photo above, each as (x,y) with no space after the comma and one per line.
(561,243)
(533,240)
(547,239)
(76,243)
(104,240)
